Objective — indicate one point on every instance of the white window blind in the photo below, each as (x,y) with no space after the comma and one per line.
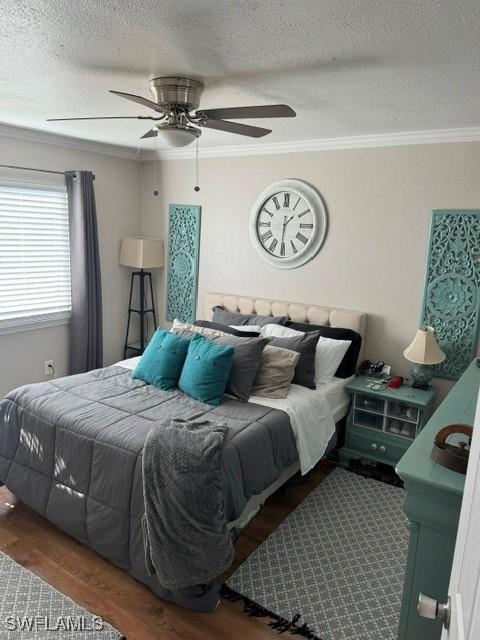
(34,254)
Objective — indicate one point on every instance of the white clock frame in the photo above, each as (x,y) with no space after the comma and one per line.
(317,206)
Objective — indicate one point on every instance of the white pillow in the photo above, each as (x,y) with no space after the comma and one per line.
(279,331)
(328,357)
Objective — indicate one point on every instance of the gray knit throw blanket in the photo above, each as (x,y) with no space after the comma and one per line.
(187,541)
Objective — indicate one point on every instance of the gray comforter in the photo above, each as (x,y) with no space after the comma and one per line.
(72,450)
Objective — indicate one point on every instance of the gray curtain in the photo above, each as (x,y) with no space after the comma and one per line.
(86,339)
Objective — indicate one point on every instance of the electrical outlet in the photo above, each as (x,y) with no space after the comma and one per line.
(49,367)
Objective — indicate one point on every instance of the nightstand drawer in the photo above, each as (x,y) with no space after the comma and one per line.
(403,411)
(403,428)
(387,449)
(369,403)
(365,419)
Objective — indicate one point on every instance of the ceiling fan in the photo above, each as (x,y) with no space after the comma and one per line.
(179,122)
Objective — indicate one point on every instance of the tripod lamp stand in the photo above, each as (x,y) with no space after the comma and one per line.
(141,253)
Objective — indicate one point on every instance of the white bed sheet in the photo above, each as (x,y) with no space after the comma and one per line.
(312,413)
(337,396)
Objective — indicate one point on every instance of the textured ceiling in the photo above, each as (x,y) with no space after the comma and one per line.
(348,68)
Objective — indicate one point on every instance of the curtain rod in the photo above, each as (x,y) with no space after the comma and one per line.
(13,166)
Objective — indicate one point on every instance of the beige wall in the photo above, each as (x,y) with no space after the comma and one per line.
(379,204)
(117,194)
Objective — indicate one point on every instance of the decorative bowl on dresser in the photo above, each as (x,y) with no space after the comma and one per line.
(382,422)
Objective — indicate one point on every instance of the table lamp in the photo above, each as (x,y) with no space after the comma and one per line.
(141,253)
(423,351)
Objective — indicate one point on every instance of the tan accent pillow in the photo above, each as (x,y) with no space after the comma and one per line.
(276,372)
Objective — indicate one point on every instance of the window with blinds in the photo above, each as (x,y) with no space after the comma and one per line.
(34,254)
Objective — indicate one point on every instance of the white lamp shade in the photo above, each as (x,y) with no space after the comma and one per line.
(142,253)
(424,348)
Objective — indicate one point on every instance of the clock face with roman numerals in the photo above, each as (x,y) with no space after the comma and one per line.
(288,223)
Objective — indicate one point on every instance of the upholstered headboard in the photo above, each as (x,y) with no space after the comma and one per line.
(315,314)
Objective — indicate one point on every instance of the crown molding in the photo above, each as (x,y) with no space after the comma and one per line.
(470,134)
(46,137)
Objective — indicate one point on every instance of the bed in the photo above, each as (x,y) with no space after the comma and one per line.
(71,448)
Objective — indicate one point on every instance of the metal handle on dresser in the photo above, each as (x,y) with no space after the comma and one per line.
(373,446)
(382,448)
(431,609)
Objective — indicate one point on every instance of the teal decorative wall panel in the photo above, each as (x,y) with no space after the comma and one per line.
(452,288)
(183,254)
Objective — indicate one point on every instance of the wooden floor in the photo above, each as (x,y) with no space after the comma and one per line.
(109,592)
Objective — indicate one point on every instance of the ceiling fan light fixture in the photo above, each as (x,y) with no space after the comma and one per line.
(176,136)
(177,100)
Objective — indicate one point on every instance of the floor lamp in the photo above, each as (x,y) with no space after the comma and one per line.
(141,253)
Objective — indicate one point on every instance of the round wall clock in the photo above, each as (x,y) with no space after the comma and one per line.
(288,223)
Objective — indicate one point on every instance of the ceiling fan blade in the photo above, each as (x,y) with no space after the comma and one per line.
(236,127)
(153,133)
(260,111)
(140,100)
(106,118)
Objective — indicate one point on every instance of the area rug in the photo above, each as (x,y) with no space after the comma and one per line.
(30,609)
(335,566)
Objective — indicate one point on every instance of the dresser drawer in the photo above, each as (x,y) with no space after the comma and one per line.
(387,449)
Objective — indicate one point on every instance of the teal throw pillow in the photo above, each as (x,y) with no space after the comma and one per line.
(162,361)
(206,370)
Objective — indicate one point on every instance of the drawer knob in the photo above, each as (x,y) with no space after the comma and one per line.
(383,448)
(373,446)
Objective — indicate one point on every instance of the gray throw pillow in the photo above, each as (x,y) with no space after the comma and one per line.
(246,358)
(246,363)
(275,373)
(306,346)
(222,316)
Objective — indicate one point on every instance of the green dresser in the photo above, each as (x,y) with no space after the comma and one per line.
(432,504)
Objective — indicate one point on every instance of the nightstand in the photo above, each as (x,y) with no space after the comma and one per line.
(382,423)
